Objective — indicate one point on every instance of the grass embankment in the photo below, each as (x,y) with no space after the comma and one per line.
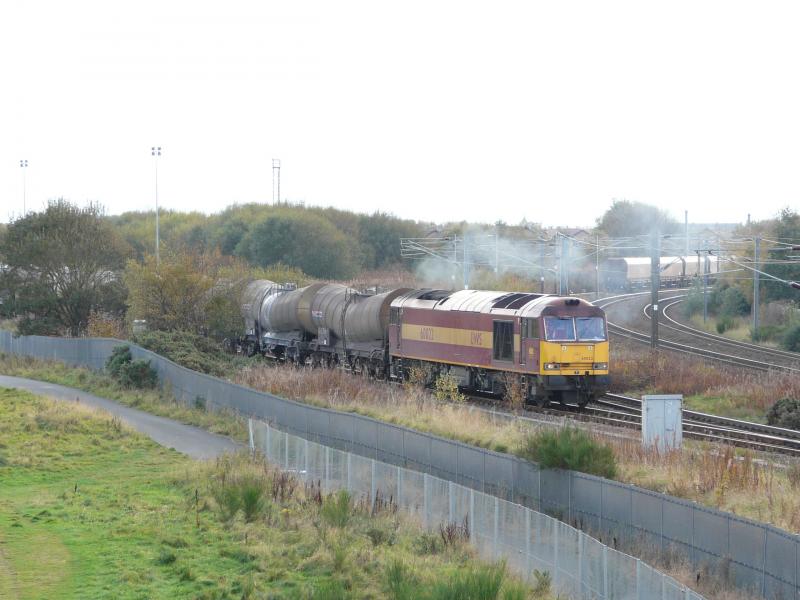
(90,509)
(156,401)
(706,386)
(711,475)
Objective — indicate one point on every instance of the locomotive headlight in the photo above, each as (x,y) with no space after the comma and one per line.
(551,366)
(600,366)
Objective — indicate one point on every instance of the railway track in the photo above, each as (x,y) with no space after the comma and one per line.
(616,411)
(699,343)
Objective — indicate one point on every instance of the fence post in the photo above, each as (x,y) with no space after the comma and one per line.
(472,522)
(373,485)
(251,440)
(285,451)
(426,501)
(399,486)
(527,543)
(305,466)
(349,470)
(557,526)
(764,564)
(496,523)
(605,572)
(327,468)
(451,501)
(581,536)
(638,579)
(269,442)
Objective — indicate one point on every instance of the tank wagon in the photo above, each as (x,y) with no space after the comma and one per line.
(633,272)
(554,347)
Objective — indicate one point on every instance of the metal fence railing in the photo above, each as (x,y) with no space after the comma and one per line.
(580,567)
(754,556)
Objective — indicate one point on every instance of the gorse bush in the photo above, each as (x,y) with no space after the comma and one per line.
(785,413)
(336,509)
(190,350)
(572,449)
(130,373)
(791,339)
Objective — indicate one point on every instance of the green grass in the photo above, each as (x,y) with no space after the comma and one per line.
(155,401)
(725,407)
(90,509)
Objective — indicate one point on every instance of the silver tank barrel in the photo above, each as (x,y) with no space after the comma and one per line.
(327,309)
(284,312)
(252,297)
(367,317)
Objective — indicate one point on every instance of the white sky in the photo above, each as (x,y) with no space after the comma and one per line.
(430,110)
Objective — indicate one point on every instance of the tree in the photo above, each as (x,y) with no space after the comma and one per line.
(190,291)
(63,264)
(786,228)
(625,218)
(300,239)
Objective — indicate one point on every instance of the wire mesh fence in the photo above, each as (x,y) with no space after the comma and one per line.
(757,557)
(580,567)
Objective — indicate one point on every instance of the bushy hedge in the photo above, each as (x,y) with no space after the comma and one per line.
(190,350)
(570,448)
(791,339)
(130,373)
(785,413)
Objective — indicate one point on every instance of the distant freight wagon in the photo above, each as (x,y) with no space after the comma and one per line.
(633,272)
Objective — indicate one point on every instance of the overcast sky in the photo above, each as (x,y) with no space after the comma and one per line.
(429,110)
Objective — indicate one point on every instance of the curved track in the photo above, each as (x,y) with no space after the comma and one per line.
(688,340)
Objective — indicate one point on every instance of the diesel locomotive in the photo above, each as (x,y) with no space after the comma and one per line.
(555,347)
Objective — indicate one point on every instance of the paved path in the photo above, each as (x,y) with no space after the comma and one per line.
(193,441)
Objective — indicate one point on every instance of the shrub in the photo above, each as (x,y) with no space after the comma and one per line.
(130,373)
(401,582)
(252,495)
(724,323)
(475,583)
(190,350)
(733,303)
(785,413)
(336,509)
(166,557)
(572,449)
(766,333)
(120,356)
(791,339)
(446,388)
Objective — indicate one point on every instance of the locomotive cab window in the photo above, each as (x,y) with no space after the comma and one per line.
(530,328)
(590,329)
(503,340)
(559,329)
(394,316)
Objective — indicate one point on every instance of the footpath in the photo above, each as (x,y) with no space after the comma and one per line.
(192,441)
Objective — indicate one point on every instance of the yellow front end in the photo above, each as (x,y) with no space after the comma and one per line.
(573,358)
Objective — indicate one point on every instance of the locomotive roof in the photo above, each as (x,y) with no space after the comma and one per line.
(505,303)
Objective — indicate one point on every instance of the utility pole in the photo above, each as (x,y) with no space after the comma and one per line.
(686,232)
(705,283)
(756,282)
(24,166)
(563,261)
(597,268)
(541,265)
(466,274)
(155,152)
(496,252)
(655,284)
(276,181)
